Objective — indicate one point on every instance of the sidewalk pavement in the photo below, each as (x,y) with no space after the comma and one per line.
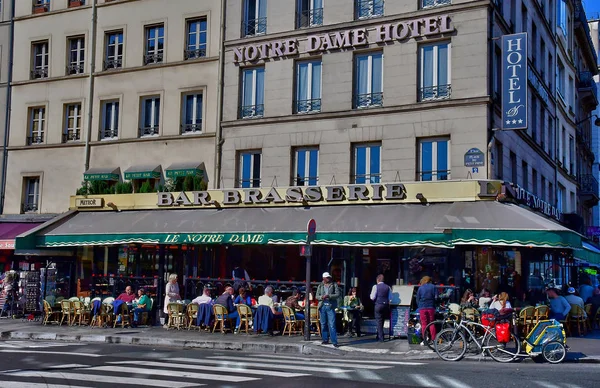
(582,349)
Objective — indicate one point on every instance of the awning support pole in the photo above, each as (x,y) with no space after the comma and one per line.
(307,302)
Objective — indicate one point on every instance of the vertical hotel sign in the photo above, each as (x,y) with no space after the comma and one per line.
(514,81)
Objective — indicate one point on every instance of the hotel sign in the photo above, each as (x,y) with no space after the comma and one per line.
(514,81)
(345,39)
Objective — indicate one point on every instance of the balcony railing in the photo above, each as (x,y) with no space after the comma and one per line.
(369,100)
(75,68)
(39,73)
(307,106)
(437,92)
(255,182)
(311,17)
(191,128)
(194,54)
(71,135)
(366,178)
(148,131)
(586,82)
(442,175)
(249,111)
(109,133)
(29,207)
(253,27)
(588,185)
(153,58)
(35,139)
(434,3)
(305,181)
(113,63)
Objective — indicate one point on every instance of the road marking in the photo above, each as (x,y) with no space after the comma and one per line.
(170,373)
(106,379)
(451,382)
(295,362)
(348,361)
(546,384)
(64,366)
(23,384)
(212,368)
(33,344)
(61,353)
(423,380)
(201,362)
(368,375)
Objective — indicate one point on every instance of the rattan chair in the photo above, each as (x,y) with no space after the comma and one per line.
(176,316)
(50,316)
(577,317)
(541,313)
(67,311)
(192,315)
(124,315)
(221,316)
(245,313)
(527,319)
(291,323)
(315,316)
(103,317)
(79,312)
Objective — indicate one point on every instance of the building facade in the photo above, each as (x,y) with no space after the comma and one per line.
(594,25)
(5,69)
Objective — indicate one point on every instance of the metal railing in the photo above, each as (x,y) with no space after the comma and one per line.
(71,135)
(305,106)
(194,54)
(35,139)
(254,182)
(588,184)
(311,17)
(435,3)
(109,133)
(586,81)
(253,27)
(437,92)
(113,63)
(75,68)
(153,58)
(369,8)
(305,180)
(39,73)
(148,131)
(191,128)
(249,111)
(368,100)
(366,178)
(113,285)
(426,176)
(30,207)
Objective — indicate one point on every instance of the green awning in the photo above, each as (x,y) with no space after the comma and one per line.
(179,170)
(517,238)
(588,253)
(102,174)
(142,172)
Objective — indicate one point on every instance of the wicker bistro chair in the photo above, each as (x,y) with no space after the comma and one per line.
(577,317)
(589,322)
(291,323)
(527,319)
(124,315)
(50,316)
(471,314)
(315,317)
(67,311)
(245,313)
(176,316)
(221,316)
(192,315)
(103,317)
(541,313)
(79,312)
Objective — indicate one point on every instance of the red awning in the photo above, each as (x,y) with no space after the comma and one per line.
(10,230)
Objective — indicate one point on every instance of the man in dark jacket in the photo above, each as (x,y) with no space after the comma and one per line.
(226,299)
(381,294)
(328,294)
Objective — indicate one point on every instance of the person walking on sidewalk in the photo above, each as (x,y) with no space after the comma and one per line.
(426,295)
(328,294)
(381,294)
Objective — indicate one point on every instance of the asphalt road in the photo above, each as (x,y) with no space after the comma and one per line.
(29,364)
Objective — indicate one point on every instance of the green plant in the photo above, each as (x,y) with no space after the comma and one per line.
(95,188)
(190,183)
(123,188)
(147,187)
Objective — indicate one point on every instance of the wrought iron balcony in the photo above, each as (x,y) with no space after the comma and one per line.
(253,27)
(75,68)
(435,3)
(369,8)
(249,111)
(113,63)
(71,135)
(305,181)
(35,139)
(148,131)
(191,128)
(437,92)
(249,182)
(587,86)
(153,58)
(442,175)
(366,178)
(588,189)
(311,17)
(29,207)
(307,106)
(194,54)
(368,100)
(109,133)
(39,73)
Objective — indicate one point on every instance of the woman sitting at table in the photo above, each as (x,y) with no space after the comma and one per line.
(500,302)
(468,300)
(354,312)
(143,305)
(243,298)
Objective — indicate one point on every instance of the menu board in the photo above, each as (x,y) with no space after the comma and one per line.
(399,321)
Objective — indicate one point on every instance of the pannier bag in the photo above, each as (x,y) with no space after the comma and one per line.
(503,332)
(488,319)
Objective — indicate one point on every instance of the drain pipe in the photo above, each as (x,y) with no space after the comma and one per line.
(219,138)
(90,105)
(8,105)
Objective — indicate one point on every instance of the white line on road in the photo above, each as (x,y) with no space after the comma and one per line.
(211,368)
(170,373)
(105,379)
(366,374)
(295,362)
(423,380)
(296,367)
(546,384)
(63,366)
(348,361)
(452,382)
(61,353)
(23,384)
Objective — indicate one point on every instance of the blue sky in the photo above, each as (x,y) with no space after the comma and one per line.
(592,7)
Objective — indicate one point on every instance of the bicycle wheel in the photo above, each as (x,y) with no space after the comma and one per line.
(503,352)
(439,326)
(554,352)
(450,345)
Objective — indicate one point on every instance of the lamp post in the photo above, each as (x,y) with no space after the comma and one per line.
(596,122)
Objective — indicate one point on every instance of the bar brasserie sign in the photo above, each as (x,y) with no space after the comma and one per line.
(345,39)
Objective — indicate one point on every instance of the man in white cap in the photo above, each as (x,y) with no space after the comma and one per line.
(574,299)
(328,293)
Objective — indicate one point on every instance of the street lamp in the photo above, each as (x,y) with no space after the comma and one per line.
(596,122)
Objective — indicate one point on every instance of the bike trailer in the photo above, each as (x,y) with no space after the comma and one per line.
(544,332)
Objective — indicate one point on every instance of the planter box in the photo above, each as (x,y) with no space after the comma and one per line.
(76,3)
(41,8)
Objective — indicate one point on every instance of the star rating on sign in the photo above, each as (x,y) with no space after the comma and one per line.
(514,121)
(520,121)
(507,122)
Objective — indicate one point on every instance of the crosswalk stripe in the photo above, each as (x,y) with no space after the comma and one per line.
(212,368)
(184,374)
(34,344)
(296,367)
(272,356)
(23,384)
(451,382)
(295,362)
(423,380)
(368,375)
(105,379)
(63,366)
(546,384)
(61,353)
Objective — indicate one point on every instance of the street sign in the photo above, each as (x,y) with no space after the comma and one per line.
(311,227)
(306,250)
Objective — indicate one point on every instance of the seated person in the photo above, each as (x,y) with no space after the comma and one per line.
(484,298)
(559,307)
(355,308)
(267,300)
(204,298)
(243,298)
(292,302)
(143,305)
(128,296)
(468,300)
(226,299)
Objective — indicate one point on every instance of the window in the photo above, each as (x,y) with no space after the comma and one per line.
(543,128)
(435,71)
(523,18)
(561,16)
(499,160)
(550,70)
(561,198)
(76,3)
(72,123)
(534,181)
(31,197)
(434,3)
(525,175)
(249,169)
(308,86)
(39,68)
(40,6)
(191,121)
(253,92)
(533,114)
(367,163)
(255,17)
(196,39)
(550,192)
(306,167)
(369,80)
(571,95)
(551,149)
(543,187)
(76,60)
(114,50)
(310,13)
(155,44)
(571,155)
(37,125)
(542,61)
(513,167)
(498,74)
(560,81)
(110,120)
(563,145)
(434,160)
(534,45)
(368,8)
(150,116)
